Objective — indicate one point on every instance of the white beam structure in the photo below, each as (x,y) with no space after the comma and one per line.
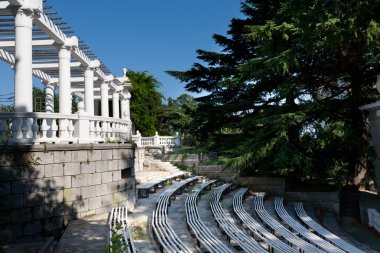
(125,107)
(89,87)
(10,59)
(36,46)
(43,43)
(64,80)
(104,99)
(49,99)
(23,65)
(115,105)
(53,65)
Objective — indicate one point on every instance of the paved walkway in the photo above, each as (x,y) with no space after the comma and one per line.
(85,235)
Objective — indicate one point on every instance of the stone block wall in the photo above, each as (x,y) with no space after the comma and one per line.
(272,185)
(324,200)
(217,172)
(188,160)
(42,187)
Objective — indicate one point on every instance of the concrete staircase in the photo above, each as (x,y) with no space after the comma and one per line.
(154,169)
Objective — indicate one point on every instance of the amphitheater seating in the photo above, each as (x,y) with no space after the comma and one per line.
(295,225)
(256,228)
(118,216)
(280,229)
(144,189)
(163,233)
(246,242)
(323,232)
(204,236)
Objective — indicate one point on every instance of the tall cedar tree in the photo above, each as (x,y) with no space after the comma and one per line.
(146,102)
(290,79)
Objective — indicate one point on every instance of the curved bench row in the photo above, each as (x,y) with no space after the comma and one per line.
(163,232)
(247,243)
(197,227)
(280,229)
(119,217)
(256,228)
(327,235)
(304,232)
(144,189)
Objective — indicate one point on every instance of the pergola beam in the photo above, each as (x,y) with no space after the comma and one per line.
(10,59)
(5,44)
(53,65)
(73,79)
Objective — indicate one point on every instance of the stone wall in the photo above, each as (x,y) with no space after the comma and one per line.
(324,200)
(217,172)
(272,185)
(188,160)
(44,186)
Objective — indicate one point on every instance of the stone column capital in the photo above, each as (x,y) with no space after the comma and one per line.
(104,86)
(65,52)
(24,18)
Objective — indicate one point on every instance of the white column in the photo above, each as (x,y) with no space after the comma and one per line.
(115,105)
(49,99)
(124,106)
(104,99)
(89,91)
(23,67)
(64,80)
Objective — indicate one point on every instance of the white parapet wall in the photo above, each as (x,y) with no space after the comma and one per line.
(156,140)
(37,128)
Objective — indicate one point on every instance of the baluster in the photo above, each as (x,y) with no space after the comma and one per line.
(63,126)
(25,128)
(92,130)
(44,129)
(54,129)
(16,129)
(4,129)
(104,130)
(98,130)
(35,128)
(71,129)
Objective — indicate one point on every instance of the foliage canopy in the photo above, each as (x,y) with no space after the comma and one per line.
(286,88)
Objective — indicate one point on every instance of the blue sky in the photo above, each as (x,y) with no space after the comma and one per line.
(144,35)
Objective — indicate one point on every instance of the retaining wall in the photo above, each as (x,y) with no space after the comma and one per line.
(324,200)
(44,186)
(188,160)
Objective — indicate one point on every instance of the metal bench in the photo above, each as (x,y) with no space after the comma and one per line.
(162,231)
(203,235)
(296,226)
(323,232)
(144,189)
(119,216)
(274,243)
(233,233)
(276,226)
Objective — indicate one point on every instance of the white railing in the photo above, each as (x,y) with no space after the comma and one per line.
(156,141)
(36,128)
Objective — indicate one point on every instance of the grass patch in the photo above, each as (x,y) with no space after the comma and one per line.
(139,231)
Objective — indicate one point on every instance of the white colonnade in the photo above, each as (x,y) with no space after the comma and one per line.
(37,46)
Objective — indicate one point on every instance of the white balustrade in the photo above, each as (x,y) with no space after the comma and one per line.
(36,128)
(155,141)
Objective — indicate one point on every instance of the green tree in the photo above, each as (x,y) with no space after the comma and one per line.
(294,95)
(146,102)
(177,116)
